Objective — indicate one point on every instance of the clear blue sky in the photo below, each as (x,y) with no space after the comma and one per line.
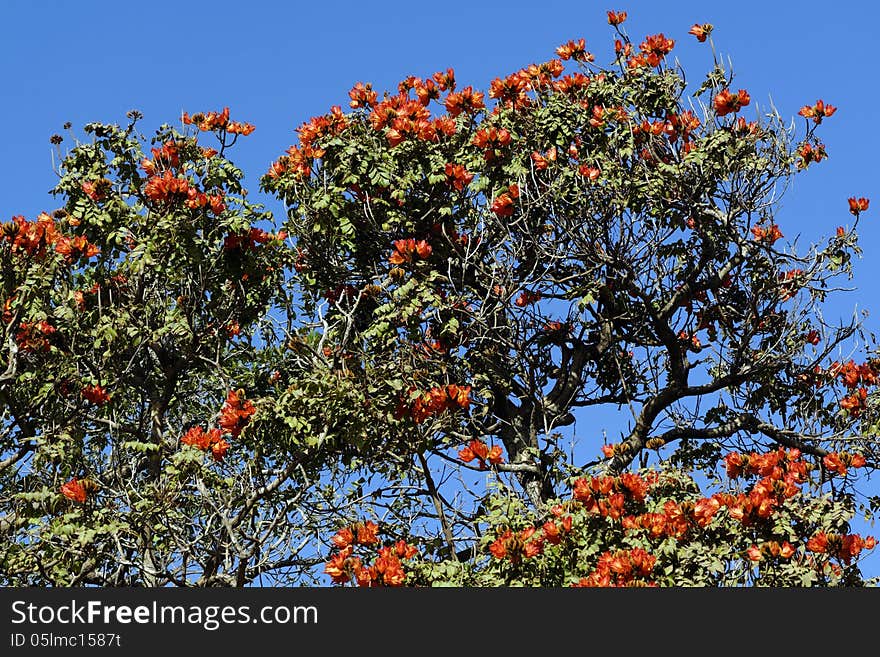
(276,64)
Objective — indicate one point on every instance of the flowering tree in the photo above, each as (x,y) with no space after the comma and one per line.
(395,384)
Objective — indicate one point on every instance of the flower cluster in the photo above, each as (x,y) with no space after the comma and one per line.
(817,112)
(236,412)
(838,462)
(34,337)
(807,153)
(482,453)
(210,121)
(387,568)
(207,441)
(74,490)
(856,378)
(857,205)
(95,394)
(622,568)
(31,238)
(503,204)
(767,235)
(440,399)
(457,176)
(726,102)
(409,250)
(843,547)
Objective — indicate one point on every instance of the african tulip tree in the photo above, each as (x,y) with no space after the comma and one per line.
(396,383)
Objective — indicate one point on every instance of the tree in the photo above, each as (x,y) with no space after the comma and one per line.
(394,384)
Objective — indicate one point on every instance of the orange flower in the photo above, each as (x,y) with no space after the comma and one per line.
(208,121)
(858,205)
(503,205)
(207,441)
(656,47)
(701,31)
(362,95)
(339,566)
(575,50)
(726,102)
(527,297)
(32,238)
(74,248)
(367,533)
(407,250)
(237,128)
(236,412)
(769,235)
(817,112)
(590,173)
(35,337)
(95,394)
(491,140)
(458,176)
(388,569)
(616,17)
(404,550)
(343,538)
(74,490)
(466,101)
(705,509)
(445,80)
(219,448)
(808,153)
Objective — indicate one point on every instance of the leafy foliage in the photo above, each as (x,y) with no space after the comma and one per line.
(197,393)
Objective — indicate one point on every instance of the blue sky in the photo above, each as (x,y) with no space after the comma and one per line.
(276,64)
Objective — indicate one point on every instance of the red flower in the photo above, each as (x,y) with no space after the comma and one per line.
(34,337)
(527,297)
(343,538)
(458,176)
(367,532)
(408,250)
(769,235)
(575,50)
(236,412)
(705,509)
(74,248)
(858,205)
(656,47)
(808,153)
(95,394)
(503,205)
(726,102)
(74,490)
(491,140)
(210,120)
(362,96)
(701,31)
(817,112)
(591,173)
(466,101)
(206,441)
(32,238)
(340,565)
(479,451)
(388,569)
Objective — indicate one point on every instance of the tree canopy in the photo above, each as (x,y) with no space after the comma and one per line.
(402,377)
